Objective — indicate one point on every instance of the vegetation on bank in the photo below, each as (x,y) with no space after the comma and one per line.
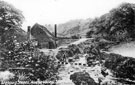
(117,25)
(24,59)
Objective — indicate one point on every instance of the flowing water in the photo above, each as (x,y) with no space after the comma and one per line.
(126,49)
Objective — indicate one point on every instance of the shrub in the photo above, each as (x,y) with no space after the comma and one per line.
(37,65)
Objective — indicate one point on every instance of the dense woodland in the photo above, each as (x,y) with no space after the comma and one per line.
(117,25)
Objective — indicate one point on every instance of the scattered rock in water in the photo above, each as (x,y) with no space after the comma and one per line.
(80,78)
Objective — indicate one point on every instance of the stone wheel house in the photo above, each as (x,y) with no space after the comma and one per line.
(40,34)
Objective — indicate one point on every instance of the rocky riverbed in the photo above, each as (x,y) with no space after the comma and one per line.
(80,64)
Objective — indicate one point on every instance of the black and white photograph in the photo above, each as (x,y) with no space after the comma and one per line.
(67,42)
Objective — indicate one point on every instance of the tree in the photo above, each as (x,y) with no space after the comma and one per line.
(9,17)
(117,25)
(123,17)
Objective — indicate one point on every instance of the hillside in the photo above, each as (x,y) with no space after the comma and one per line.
(117,25)
(74,27)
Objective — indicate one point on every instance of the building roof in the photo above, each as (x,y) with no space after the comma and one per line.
(41,33)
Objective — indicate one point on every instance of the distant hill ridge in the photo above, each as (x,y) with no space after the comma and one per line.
(74,27)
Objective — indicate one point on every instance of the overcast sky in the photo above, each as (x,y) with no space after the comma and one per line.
(60,11)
